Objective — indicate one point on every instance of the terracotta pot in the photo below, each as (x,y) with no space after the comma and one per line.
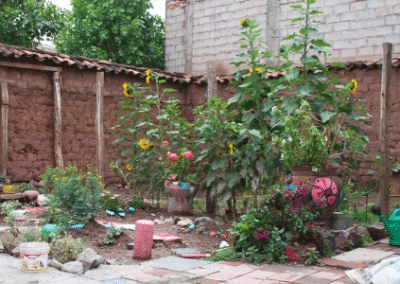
(180,196)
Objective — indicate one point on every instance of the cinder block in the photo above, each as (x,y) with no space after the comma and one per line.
(384,12)
(375,41)
(342,8)
(234,7)
(204,20)
(356,6)
(384,31)
(198,13)
(358,43)
(341,44)
(375,4)
(376,23)
(221,9)
(392,20)
(209,11)
(341,26)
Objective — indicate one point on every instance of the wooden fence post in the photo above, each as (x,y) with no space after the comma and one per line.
(212,80)
(383,130)
(57,122)
(99,124)
(4,128)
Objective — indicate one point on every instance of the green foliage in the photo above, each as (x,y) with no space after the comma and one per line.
(78,196)
(263,234)
(312,256)
(150,127)
(120,31)
(109,201)
(361,214)
(31,235)
(25,187)
(50,176)
(228,254)
(365,240)
(66,249)
(26,22)
(137,204)
(111,233)
(8,208)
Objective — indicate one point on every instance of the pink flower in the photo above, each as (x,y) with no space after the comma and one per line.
(202,174)
(173,157)
(194,163)
(168,153)
(258,237)
(169,178)
(309,178)
(173,178)
(102,195)
(112,197)
(160,158)
(165,142)
(260,230)
(188,155)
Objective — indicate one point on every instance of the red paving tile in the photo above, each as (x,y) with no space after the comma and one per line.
(244,279)
(312,280)
(200,272)
(204,281)
(160,272)
(287,277)
(233,263)
(261,274)
(230,273)
(342,264)
(329,275)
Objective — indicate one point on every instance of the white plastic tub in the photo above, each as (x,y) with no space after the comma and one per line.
(34,256)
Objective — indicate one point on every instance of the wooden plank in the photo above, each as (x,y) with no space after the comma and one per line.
(212,80)
(57,121)
(30,66)
(4,127)
(385,172)
(99,124)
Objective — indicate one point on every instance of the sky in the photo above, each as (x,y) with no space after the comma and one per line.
(159,6)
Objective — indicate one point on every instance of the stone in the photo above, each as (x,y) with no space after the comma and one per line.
(377,231)
(341,239)
(41,200)
(10,196)
(75,267)
(355,239)
(223,244)
(1,247)
(169,221)
(33,183)
(158,222)
(185,223)
(362,231)
(339,221)
(176,219)
(342,264)
(54,263)
(111,261)
(202,220)
(89,259)
(174,263)
(330,243)
(41,184)
(363,255)
(16,251)
(219,222)
(30,195)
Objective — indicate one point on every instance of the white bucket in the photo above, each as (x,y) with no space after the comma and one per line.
(34,256)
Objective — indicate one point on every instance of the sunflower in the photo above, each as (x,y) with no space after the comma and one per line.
(129,167)
(144,144)
(353,86)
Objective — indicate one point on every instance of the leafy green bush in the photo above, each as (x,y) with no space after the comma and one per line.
(137,203)
(66,249)
(25,187)
(227,254)
(51,176)
(31,235)
(78,196)
(109,201)
(111,233)
(264,233)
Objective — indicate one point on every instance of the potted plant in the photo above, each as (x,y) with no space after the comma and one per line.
(180,185)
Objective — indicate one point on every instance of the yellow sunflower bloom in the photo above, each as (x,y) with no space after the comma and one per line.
(129,167)
(126,94)
(231,146)
(148,79)
(125,86)
(144,144)
(353,86)
(258,70)
(251,70)
(148,71)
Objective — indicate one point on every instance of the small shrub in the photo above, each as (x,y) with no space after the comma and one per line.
(42,191)
(312,256)
(31,235)
(109,201)
(111,233)
(137,203)
(8,208)
(365,240)
(25,187)
(66,249)
(227,254)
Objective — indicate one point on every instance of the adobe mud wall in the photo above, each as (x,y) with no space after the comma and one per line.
(31,116)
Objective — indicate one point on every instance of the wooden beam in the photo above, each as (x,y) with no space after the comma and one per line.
(30,66)
(4,128)
(384,133)
(57,121)
(99,124)
(212,80)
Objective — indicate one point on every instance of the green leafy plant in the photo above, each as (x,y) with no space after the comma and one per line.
(121,31)
(228,254)
(312,256)
(25,187)
(137,203)
(50,177)
(8,209)
(76,195)
(111,233)
(66,249)
(31,235)
(365,239)
(109,201)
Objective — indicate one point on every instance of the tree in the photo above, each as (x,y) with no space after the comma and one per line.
(121,31)
(26,22)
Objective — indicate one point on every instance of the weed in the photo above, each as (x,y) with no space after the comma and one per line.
(111,233)
(312,256)
(66,249)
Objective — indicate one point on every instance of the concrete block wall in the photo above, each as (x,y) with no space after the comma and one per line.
(198,31)
(355,29)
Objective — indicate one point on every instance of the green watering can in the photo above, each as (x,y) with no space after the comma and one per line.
(392,226)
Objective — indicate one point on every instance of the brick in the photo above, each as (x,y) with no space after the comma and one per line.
(384,31)
(341,26)
(392,20)
(356,6)
(261,274)
(328,275)
(341,9)
(244,279)
(287,277)
(342,264)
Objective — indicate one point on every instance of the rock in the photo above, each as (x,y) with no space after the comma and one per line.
(1,247)
(30,195)
(33,183)
(377,231)
(355,238)
(89,259)
(8,181)
(169,221)
(158,222)
(41,184)
(362,231)
(338,251)
(176,219)
(185,223)
(223,244)
(10,196)
(111,261)
(75,267)
(330,243)
(219,222)
(341,239)
(54,263)
(41,200)
(16,251)
(202,220)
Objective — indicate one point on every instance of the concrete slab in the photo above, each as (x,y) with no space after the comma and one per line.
(363,255)
(108,272)
(174,263)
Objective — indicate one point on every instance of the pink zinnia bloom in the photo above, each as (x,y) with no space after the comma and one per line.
(168,153)
(165,142)
(129,200)
(309,178)
(102,195)
(112,197)
(188,155)
(258,237)
(160,158)
(173,178)
(260,230)
(194,163)
(169,179)
(173,157)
